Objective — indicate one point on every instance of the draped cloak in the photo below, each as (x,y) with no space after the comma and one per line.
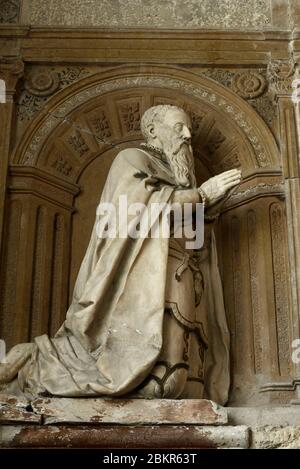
(112,335)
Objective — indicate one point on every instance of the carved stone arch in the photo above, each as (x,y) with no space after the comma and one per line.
(61,164)
(106,107)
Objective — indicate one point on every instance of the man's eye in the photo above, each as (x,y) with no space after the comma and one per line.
(178,127)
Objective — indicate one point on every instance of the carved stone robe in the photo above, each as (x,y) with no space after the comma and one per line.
(112,338)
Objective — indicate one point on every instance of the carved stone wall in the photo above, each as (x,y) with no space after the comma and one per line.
(72,146)
(256,286)
(167,14)
(171,14)
(80,100)
(35,268)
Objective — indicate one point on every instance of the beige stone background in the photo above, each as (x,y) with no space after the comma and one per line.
(159,14)
(79,75)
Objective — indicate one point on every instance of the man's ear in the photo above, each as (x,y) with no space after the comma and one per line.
(151,130)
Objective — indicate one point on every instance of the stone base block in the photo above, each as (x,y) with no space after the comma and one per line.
(163,436)
(130,411)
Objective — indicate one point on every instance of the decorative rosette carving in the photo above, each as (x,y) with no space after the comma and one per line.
(249,85)
(9,11)
(42,82)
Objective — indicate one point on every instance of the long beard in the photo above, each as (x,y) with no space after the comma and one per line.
(181,161)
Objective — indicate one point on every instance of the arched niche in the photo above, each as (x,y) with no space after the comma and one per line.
(59,170)
(104,110)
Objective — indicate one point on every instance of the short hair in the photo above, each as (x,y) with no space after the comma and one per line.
(155,114)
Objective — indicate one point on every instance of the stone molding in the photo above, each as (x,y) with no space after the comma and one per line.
(111,436)
(255,191)
(27,180)
(107,46)
(130,411)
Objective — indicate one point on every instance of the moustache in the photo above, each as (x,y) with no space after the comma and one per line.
(185,143)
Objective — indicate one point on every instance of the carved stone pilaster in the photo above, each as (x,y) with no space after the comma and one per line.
(11,70)
(282,75)
(36,254)
(296,102)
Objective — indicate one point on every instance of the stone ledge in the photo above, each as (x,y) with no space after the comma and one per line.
(151,436)
(157,436)
(15,410)
(130,411)
(10,415)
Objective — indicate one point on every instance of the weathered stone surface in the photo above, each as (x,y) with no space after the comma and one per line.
(255,344)
(165,436)
(12,414)
(261,416)
(124,437)
(271,437)
(138,13)
(7,399)
(15,409)
(130,412)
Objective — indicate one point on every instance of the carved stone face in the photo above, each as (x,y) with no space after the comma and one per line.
(173,136)
(173,131)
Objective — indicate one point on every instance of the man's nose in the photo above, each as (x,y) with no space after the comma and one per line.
(187,133)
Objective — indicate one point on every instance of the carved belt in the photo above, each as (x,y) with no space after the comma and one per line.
(187,261)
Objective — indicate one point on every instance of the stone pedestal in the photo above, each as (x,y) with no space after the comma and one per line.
(139,423)
(117,423)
